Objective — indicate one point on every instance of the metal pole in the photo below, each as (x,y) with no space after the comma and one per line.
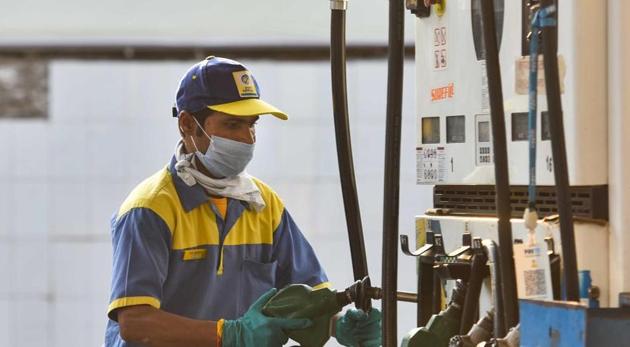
(503,203)
(407,297)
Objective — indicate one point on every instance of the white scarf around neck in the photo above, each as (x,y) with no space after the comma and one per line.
(240,187)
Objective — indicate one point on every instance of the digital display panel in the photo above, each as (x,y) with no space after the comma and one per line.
(545,132)
(519,126)
(455,129)
(430,130)
(483,131)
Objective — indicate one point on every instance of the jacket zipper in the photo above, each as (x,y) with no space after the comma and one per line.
(222,232)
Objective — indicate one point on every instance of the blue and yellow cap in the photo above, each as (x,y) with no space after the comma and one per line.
(222,85)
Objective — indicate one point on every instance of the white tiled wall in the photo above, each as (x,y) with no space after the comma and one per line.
(279,22)
(4,321)
(29,321)
(110,126)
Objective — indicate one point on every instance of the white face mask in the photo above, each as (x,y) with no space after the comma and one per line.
(224,157)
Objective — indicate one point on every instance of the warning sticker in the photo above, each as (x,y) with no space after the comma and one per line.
(440,48)
(430,165)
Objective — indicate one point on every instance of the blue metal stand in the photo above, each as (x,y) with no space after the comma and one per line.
(569,324)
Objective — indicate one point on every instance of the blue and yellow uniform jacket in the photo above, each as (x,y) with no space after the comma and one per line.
(173,250)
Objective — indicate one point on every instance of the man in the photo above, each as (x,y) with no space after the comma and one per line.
(200,246)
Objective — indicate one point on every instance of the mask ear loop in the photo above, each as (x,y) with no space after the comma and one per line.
(194,144)
(204,132)
(202,129)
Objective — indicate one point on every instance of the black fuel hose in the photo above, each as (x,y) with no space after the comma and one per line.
(558,149)
(499,145)
(471,303)
(494,262)
(342,136)
(426,290)
(391,197)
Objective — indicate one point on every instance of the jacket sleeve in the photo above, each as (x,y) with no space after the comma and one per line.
(141,242)
(297,262)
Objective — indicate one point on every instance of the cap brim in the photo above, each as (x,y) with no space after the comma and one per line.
(249,107)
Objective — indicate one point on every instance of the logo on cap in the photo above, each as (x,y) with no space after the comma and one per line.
(244,84)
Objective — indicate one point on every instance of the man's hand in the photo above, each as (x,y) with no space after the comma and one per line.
(359,328)
(256,329)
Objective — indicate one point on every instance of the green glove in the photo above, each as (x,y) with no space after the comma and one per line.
(359,328)
(256,329)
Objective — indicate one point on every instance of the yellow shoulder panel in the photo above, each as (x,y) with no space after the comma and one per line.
(258,227)
(154,193)
(158,193)
(274,205)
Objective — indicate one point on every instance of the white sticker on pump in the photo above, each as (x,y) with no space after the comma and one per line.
(521,75)
(533,274)
(440,48)
(430,164)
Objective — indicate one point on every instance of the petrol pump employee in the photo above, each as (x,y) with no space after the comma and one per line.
(200,246)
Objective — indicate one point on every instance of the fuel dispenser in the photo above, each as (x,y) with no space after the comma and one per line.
(454,149)
(457,149)
(474,62)
(477,119)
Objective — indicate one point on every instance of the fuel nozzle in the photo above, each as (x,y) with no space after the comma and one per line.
(319,305)
(361,294)
(442,326)
(480,332)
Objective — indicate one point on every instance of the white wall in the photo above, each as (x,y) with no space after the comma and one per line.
(198,21)
(110,126)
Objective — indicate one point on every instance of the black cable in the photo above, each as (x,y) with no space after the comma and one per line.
(471,303)
(392,171)
(426,286)
(494,262)
(558,148)
(499,144)
(344,145)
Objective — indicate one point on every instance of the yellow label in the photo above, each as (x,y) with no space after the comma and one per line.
(195,254)
(440,8)
(421,232)
(245,84)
